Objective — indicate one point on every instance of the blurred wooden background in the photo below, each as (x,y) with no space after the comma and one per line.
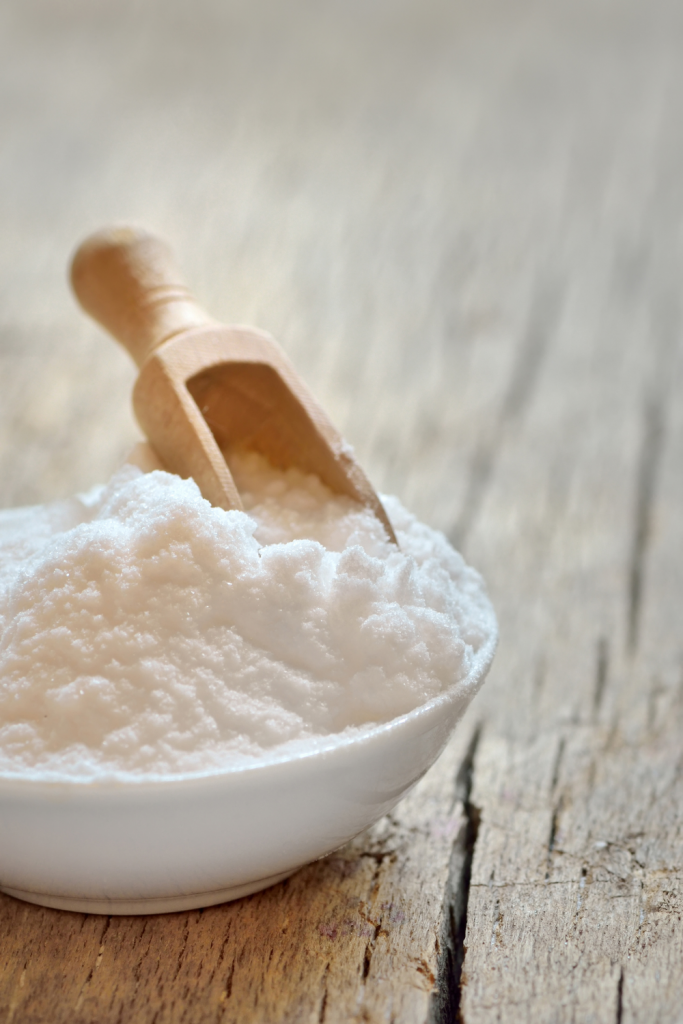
(464,223)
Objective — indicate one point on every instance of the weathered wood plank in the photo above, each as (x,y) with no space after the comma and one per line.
(463,223)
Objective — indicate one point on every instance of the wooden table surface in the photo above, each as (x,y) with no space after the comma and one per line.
(464,221)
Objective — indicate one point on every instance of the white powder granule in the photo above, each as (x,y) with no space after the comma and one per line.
(144,633)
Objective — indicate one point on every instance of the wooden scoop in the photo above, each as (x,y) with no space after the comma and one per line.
(205,388)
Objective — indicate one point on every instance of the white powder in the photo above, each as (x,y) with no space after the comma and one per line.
(145,633)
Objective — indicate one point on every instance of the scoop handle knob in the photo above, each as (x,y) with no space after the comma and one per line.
(126,278)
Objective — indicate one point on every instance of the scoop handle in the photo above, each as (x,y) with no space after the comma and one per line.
(126,279)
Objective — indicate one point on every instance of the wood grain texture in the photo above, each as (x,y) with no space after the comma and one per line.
(464,224)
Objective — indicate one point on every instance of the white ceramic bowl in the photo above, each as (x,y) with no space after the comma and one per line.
(158,846)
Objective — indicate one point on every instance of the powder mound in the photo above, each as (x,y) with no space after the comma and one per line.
(144,633)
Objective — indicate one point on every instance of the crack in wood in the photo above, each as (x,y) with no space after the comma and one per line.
(379,857)
(582,886)
(533,884)
(645,488)
(666,329)
(620,997)
(369,950)
(497,918)
(557,811)
(656,691)
(221,957)
(601,671)
(98,961)
(451,948)
(323,1002)
(558,763)
(183,948)
(543,318)
(228,983)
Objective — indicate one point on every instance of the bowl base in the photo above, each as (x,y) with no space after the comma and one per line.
(145,905)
